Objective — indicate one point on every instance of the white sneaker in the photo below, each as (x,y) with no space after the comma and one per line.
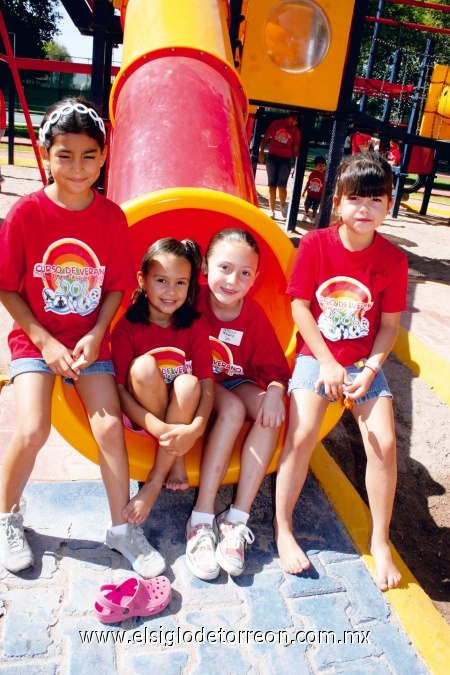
(272,215)
(233,538)
(201,551)
(284,211)
(144,559)
(15,552)
(305,218)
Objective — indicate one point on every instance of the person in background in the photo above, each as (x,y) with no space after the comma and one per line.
(283,148)
(314,187)
(394,155)
(360,142)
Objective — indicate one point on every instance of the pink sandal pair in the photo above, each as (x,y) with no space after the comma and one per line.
(134,597)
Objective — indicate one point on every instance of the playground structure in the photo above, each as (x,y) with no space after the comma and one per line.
(201,109)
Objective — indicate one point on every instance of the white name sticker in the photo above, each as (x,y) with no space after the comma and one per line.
(233,337)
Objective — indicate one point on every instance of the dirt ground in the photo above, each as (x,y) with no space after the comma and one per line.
(421,523)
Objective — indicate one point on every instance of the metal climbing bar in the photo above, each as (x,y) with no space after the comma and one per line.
(408,24)
(423,5)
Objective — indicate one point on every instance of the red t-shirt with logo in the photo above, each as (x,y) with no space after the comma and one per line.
(282,138)
(245,347)
(314,186)
(348,290)
(185,350)
(62,262)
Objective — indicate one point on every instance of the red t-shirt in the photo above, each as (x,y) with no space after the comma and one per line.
(359,139)
(245,347)
(282,138)
(185,350)
(348,290)
(314,186)
(62,262)
(394,155)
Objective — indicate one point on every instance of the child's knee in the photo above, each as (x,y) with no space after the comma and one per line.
(187,385)
(143,369)
(33,438)
(108,431)
(233,411)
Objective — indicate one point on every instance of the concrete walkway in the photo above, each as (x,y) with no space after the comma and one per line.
(331,620)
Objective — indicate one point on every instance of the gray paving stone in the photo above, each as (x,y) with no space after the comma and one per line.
(171,662)
(97,657)
(265,607)
(28,620)
(29,668)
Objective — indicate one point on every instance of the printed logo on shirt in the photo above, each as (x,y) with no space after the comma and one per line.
(223,358)
(72,277)
(343,302)
(315,185)
(233,337)
(171,362)
(282,136)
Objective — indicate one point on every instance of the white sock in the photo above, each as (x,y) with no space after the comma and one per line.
(237,516)
(119,529)
(199,518)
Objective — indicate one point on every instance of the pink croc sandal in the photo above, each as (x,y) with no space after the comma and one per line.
(134,597)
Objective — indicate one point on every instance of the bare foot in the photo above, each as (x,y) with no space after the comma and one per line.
(138,508)
(177,478)
(292,558)
(387,574)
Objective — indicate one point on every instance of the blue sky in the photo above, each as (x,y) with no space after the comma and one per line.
(78,46)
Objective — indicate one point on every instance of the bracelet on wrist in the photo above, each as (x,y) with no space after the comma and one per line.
(373,364)
(375,372)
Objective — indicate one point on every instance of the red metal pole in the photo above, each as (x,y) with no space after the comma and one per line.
(423,5)
(23,102)
(407,24)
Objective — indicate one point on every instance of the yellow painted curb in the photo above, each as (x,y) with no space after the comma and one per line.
(419,617)
(424,362)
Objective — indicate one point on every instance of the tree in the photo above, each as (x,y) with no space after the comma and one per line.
(57,52)
(33,22)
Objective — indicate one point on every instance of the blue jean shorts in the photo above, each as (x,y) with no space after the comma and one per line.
(306,374)
(30,365)
(232,384)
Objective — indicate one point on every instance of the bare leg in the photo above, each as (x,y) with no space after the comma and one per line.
(307,411)
(101,400)
(178,478)
(257,451)
(183,404)
(376,422)
(283,194)
(272,198)
(33,393)
(230,416)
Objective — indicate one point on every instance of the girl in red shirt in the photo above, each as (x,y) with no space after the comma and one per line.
(348,289)
(251,374)
(163,365)
(62,281)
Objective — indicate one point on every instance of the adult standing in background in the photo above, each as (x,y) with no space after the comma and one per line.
(284,145)
(2,128)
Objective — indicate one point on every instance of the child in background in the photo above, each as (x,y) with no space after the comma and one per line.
(62,313)
(394,155)
(163,366)
(348,288)
(250,382)
(314,187)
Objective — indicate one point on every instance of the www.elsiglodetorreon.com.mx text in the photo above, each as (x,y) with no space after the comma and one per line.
(180,636)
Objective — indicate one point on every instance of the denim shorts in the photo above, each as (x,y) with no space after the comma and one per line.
(306,374)
(30,365)
(278,170)
(232,384)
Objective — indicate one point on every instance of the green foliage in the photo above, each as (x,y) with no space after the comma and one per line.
(34,24)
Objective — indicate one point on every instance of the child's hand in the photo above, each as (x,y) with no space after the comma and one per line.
(58,358)
(272,411)
(333,376)
(361,384)
(179,440)
(86,351)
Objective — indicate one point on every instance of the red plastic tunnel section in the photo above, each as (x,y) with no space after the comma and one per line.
(189,111)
